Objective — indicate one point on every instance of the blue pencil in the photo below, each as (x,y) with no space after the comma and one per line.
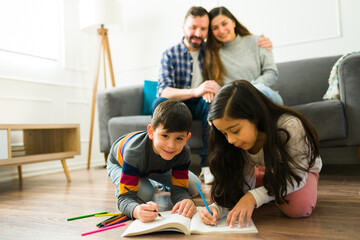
(202,196)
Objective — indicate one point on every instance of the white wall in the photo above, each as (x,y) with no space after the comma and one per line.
(54,83)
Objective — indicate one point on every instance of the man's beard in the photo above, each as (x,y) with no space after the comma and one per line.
(192,44)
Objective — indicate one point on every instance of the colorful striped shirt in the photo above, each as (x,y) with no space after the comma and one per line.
(134,154)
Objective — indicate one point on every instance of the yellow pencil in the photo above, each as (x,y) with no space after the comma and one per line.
(108,214)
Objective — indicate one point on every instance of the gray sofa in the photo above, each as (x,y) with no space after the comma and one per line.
(302,84)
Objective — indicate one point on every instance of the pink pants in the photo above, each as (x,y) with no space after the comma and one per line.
(301,202)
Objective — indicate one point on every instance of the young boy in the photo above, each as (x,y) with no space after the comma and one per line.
(137,157)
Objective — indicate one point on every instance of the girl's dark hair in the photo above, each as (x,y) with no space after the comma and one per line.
(174,115)
(213,67)
(241,100)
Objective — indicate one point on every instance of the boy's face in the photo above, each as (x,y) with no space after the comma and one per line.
(167,144)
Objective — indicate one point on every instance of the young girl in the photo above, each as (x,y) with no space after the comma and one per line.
(259,151)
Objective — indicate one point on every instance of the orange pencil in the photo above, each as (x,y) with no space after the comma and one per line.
(116,220)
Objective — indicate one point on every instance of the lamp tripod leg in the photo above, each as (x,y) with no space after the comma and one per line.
(107,51)
(96,77)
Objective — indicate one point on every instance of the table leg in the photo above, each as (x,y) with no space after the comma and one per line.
(63,162)
(19,172)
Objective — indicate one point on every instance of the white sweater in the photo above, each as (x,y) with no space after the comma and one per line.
(296,147)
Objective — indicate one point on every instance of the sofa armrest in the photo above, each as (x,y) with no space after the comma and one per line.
(115,102)
(349,83)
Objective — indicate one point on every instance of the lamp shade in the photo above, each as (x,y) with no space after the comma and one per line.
(94,13)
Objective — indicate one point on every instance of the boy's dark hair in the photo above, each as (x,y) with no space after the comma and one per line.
(174,115)
(196,12)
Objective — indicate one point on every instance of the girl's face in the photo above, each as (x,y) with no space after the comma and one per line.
(241,133)
(223,28)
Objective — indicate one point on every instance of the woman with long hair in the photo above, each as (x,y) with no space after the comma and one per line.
(232,52)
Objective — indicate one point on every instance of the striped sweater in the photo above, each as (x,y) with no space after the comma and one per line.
(134,154)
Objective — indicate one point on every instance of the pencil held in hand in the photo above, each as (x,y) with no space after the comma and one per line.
(142,201)
(203,198)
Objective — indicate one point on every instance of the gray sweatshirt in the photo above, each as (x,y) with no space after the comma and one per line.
(244,59)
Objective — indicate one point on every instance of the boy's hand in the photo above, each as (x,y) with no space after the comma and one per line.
(146,212)
(244,208)
(206,216)
(186,207)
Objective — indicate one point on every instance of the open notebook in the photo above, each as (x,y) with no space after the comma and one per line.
(179,223)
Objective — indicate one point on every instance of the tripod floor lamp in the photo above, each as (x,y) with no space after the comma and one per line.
(94,15)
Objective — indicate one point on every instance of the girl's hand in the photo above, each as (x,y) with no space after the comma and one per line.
(209,86)
(146,212)
(206,216)
(244,208)
(186,207)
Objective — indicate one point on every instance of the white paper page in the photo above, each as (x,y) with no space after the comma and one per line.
(197,226)
(167,221)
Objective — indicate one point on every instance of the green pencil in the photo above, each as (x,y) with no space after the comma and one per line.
(85,216)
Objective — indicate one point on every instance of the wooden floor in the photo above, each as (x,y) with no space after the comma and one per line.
(38,209)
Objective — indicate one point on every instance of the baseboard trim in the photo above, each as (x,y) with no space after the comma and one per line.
(12,174)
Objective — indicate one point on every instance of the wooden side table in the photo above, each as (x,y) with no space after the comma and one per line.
(41,142)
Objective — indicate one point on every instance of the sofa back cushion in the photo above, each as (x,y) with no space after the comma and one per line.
(304,81)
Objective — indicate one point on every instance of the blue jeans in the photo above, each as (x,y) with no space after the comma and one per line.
(146,189)
(199,110)
(273,95)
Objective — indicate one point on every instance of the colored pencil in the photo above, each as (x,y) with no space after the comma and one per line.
(111,219)
(107,214)
(203,198)
(85,216)
(103,229)
(142,201)
(105,220)
(116,222)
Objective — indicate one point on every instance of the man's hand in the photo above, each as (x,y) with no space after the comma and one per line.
(185,207)
(209,86)
(244,208)
(146,212)
(206,216)
(265,42)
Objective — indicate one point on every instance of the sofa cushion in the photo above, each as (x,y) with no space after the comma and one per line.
(149,95)
(119,126)
(304,81)
(325,113)
(195,141)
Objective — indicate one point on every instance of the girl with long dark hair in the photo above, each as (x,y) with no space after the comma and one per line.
(259,151)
